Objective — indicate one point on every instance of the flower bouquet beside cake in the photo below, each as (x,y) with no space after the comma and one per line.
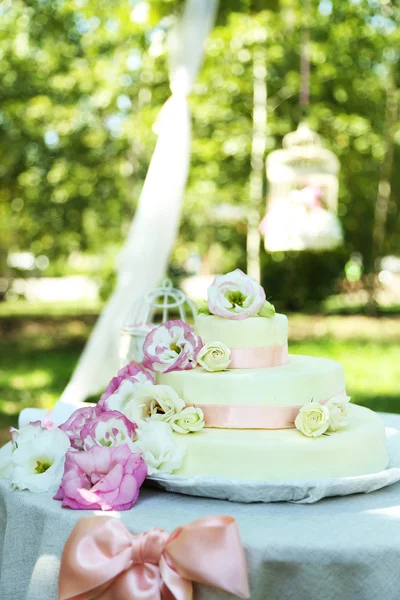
(223,399)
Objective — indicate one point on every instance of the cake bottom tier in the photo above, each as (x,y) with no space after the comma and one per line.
(286,454)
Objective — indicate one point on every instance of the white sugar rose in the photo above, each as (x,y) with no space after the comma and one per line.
(190,419)
(313,419)
(338,411)
(160,449)
(214,356)
(235,296)
(161,401)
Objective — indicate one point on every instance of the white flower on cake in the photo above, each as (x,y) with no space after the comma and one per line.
(313,419)
(139,402)
(338,411)
(235,296)
(214,356)
(160,449)
(161,401)
(190,419)
(38,462)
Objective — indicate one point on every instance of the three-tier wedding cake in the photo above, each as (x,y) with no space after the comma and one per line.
(268,415)
(221,399)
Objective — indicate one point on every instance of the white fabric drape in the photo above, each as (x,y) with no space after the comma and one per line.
(144,257)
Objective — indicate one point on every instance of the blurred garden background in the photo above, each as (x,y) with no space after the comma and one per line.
(81,85)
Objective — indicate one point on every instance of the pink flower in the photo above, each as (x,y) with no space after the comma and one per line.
(74,425)
(110,428)
(235,296)
(133,371)
(102,479)
(172,346)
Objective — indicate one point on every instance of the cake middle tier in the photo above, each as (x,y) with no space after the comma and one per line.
(258,398)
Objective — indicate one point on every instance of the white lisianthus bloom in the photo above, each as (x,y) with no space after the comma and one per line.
(161,401)
(139,402)
(125,400)
(214,356)
(18,437)
(338,411)
(235,296)
(313,419)
(25,434)
(160,449)
(190,419)
(38,463)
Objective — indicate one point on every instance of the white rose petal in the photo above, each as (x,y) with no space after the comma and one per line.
(160,449)
(338,411)
(190,419)
(313,419)
(214,356)
(38,464)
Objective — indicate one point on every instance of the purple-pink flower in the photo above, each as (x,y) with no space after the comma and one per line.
(102,479)
(110,428)
(74,425)
(173,346)
(133,371)
(235,296)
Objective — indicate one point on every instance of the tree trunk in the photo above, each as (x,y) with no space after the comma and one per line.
(257,162)
(384,189)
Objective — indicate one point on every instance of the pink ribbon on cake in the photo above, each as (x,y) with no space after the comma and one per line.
(258,358)
(103,560)
(252,417)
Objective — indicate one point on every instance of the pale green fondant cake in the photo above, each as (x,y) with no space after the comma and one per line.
(286,419)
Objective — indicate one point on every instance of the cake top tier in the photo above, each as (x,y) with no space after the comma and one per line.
(253,332)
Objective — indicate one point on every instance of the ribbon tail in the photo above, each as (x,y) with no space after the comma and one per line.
(95,554)
(209,551)
(174,586)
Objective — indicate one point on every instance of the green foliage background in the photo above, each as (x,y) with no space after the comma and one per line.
(82,82)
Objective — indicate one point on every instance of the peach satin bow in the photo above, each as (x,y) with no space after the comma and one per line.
(103,560)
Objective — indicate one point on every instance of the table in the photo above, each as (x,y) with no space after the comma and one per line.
(338,549)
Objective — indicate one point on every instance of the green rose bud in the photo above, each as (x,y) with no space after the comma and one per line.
(267,310)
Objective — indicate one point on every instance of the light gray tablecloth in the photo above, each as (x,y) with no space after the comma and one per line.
(344,548)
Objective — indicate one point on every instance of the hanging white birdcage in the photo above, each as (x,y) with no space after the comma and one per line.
(159,305)
(303,194)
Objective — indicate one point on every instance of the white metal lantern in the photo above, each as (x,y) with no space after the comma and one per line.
(158,306)
(303,194)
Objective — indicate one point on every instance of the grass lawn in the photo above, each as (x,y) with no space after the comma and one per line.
(38,354)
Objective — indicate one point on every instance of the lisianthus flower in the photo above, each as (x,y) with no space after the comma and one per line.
(110,428)
(172,346)
(134,371)
(235,296)
(74,425)
(102,478)
(38,461)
